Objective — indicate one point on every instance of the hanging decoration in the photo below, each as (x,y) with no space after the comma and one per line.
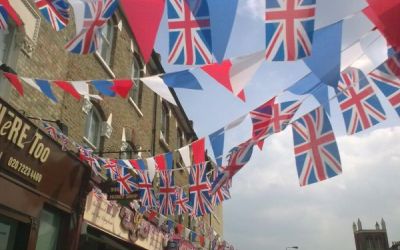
(387,78)
(384,14)
(6,11)
(144,18)
(127,183)
(261,118)
(189,32)
(55,12)
(199,197)
(96,15)
(317,155)
(166,193)
(182,202)
(359,104)
(146,190)
(289,27)
(324,72)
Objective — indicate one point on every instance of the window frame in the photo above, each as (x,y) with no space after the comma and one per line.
(86,136)
(108,40)
(165,120)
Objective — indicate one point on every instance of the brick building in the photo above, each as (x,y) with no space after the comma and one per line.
(143,125)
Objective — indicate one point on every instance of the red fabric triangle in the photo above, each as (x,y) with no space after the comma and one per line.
(198,148)
(220,72)
(14,80)
(11,12)
(161,162)
(260,144)
(201,238)
(242,96)
(144,18)
(122,87)
(151,215)
(67,87)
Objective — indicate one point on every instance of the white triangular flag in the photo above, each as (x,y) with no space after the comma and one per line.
(185,154)
(156,84)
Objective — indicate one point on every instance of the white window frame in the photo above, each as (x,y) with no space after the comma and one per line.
(136,69)
(93,144)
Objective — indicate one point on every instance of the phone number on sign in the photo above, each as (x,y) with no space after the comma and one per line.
(24,169)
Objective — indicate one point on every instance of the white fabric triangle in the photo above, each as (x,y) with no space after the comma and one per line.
(79,12)
(31,82)
(151,165)
(243,70)
(235,123)
(185,154)
(156,84)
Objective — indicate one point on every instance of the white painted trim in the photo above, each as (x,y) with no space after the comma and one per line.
(104,64)
(86,140)
(135,106)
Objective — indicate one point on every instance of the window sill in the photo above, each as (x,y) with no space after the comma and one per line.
(135,107)
(104,64)
(86,140)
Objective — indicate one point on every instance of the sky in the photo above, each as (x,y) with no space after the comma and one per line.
(268,209)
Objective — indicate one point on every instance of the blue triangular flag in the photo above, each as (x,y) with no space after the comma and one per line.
(222,15)
(217,143)
(104,87)
(181,79)
(324,61)
(45,87)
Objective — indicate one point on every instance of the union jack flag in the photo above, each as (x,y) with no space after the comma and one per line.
(237,158)
(146,190)
(97,13)
(182,202)
(387,78)
(126,182)
(3,18)
(56,12)
(261,118)
(189,32)
(317,154)
(51,131)
(222,194)
(357,99)
(87,156)
(199,196)
(166,195)
(289,29)
(110,167)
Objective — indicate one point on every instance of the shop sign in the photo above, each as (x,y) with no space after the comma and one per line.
(29,155)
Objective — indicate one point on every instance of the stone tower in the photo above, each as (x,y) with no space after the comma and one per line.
(371,239)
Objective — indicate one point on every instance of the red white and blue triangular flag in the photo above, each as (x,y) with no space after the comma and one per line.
(146,190)
(387,78)
(222,194)
(96,15)
(182,202)
(157,85)
(315,148)
(289,26)
(56,12)
(199,188)
(126,182)
(261,117)
(166,193)
(6,11)
(110,166)
(189,32)
(360,106)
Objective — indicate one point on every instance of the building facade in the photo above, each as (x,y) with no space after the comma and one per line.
(371,239)
(62,206)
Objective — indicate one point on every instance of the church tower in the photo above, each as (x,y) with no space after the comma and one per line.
(371,239)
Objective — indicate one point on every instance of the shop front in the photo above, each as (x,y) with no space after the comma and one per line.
(109,225)
(41,187)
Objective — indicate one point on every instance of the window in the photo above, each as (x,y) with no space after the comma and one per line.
(106,42)
(49,230)
(179,138)
(165,122)
(135,93)
(93,127)
(6,40)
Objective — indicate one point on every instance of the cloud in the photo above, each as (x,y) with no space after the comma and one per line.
(253,8)
(269,210)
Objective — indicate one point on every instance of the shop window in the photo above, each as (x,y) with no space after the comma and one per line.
(49,230)
(106,42)
(13,233)
(93,128)
(136,92)
(164,123)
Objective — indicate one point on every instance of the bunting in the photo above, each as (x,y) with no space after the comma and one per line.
(56,12)
(359,104)
(387,78)
(6,11)
(182,203)
(199,188)
(317,155)
(166,195)
(126,182)
(261,118)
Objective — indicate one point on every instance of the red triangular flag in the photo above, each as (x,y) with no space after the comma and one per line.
(14,80)
(144,18)
(201,238)
(67,87)
(220,72)
(122,87)
(198,149)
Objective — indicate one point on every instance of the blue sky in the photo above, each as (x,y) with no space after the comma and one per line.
(268,209)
